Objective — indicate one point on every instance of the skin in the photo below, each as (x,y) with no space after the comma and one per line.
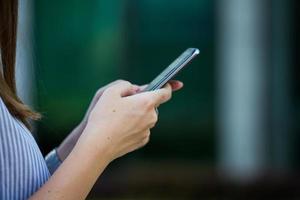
(116,123)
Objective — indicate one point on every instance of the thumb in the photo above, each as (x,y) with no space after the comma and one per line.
(156,97)
(124,88)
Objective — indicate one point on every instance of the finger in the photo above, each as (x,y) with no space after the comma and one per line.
(145,137)
(142,87)
(154,118)
(163,95)
(98,95)
(176,85)
(137,88)
(123,89)
(102,89)
(156,97)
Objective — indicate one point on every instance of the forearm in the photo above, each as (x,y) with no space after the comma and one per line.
(77,174)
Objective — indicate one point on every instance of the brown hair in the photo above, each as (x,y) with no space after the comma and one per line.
(8,40)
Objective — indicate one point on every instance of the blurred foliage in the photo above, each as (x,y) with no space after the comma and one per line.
(83,45)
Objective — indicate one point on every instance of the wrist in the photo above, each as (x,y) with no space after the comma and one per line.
(95,142)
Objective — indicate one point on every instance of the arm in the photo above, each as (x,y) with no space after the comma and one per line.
(124,127)
(76,175)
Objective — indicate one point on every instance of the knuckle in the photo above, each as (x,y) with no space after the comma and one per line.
(154,117)
(148,103)
(124,82)
(147,134)
(170,94)
(108,90)
(99,92)
(119,81)
(166,97)
(152,125)
(145,141)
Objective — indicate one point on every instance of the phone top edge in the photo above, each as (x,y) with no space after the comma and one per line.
(196,50)
(192,52)
(166,79)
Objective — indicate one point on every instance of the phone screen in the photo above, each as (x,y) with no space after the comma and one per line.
(172,69)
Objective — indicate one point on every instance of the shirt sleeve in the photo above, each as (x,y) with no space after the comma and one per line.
(52,161)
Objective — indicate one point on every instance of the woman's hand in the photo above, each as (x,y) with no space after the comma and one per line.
(120,121)
(176,85)
(67,145)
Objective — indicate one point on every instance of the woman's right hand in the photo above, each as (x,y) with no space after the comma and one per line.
(121,120)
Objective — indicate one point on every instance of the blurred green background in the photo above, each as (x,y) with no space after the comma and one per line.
(81,46)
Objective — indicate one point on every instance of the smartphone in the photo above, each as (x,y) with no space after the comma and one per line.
(172,69)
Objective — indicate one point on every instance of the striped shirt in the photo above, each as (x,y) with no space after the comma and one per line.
(23,169)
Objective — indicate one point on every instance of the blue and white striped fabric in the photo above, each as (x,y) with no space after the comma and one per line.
(23,169)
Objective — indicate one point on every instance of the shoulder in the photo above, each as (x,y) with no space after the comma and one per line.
(5,115)
(2,106)
(8,118)
(4,112)
(9,124)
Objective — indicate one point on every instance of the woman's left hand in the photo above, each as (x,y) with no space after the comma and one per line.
(69,142)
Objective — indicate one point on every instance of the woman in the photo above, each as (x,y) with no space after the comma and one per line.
(116,123)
